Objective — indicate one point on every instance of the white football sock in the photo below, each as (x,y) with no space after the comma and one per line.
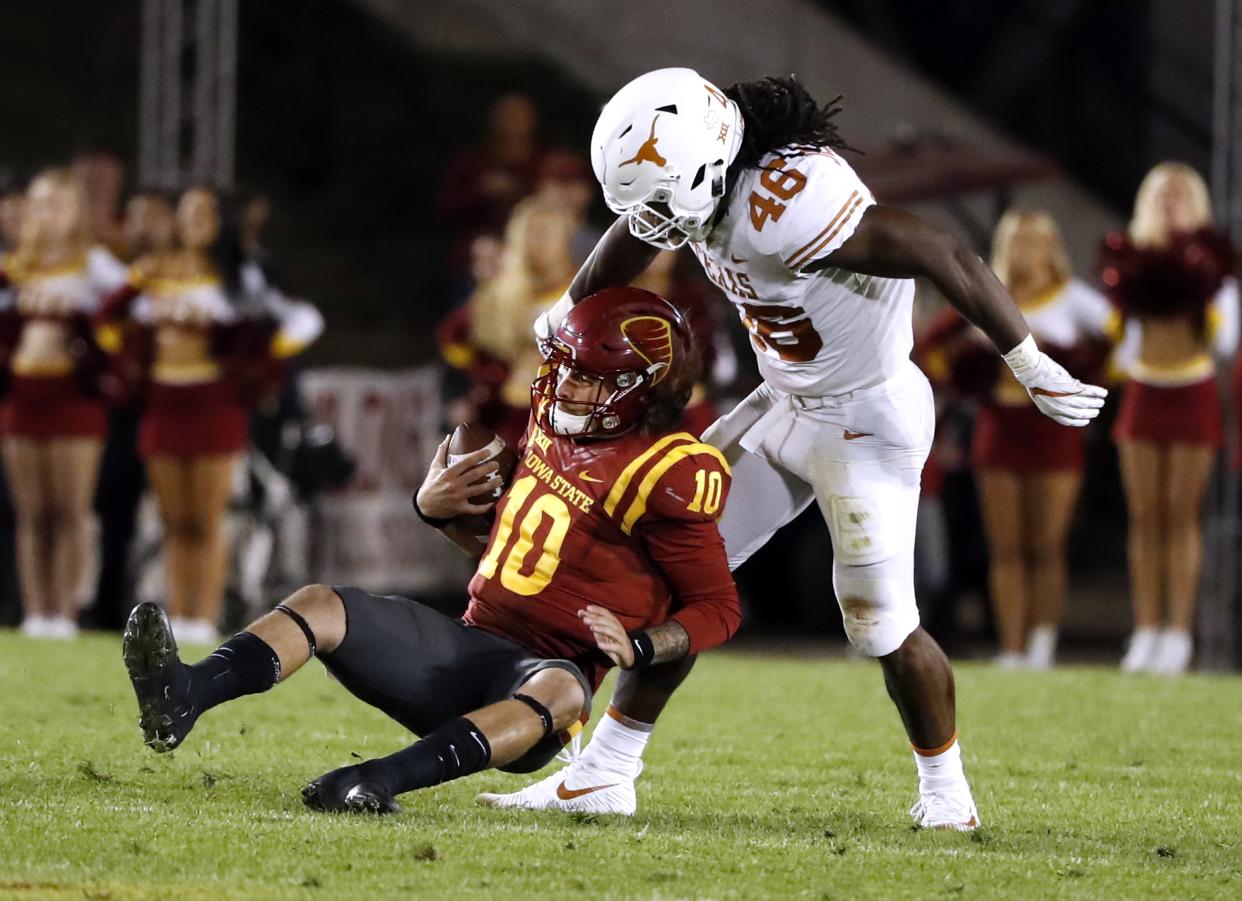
(942,771)
(617,744)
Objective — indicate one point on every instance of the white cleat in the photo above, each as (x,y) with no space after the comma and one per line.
(576,789)
(952,809)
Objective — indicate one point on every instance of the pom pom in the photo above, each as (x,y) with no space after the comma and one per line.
(1178,279)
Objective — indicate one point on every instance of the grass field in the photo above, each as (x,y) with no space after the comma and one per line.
(771,777)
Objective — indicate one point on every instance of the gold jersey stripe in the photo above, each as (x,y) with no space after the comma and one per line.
(828,240)
(639,505)
(627,475)
(827,228)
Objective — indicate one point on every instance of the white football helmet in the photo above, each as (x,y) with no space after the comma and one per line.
(660,150)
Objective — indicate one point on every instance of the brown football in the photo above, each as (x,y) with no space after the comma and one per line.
(466,439)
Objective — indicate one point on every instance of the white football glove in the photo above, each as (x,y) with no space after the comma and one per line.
(1056,393)
(550,319)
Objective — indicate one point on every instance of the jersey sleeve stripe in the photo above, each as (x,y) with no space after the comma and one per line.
(627,475)
(792,261)
(828,240)
(639,505)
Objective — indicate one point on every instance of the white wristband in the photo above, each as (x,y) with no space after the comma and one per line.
(1024,356)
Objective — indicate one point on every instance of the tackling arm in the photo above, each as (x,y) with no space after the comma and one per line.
(892,243)
(617,259)
(895,244)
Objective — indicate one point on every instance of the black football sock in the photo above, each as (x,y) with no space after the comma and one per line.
(448,752)
(243,665)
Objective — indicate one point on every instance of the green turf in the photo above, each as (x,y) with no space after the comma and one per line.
(769,778)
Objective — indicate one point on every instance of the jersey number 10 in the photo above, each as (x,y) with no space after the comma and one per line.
(511,575)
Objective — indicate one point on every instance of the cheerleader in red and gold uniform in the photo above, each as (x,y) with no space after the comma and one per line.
(1171,274)
(206,334)
(52,419)
(1027,467)
(490,337)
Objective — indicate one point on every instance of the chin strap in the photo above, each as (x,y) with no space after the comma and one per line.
(568,424)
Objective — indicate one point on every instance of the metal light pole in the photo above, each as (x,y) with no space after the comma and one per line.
(1218,638)
(188,92)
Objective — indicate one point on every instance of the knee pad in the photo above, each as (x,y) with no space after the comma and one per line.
(877,604)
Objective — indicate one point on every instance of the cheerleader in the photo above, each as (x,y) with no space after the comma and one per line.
(206,334)
(1171,274)
(12,207)
(52,419)
(1027,467)
(149,226)
(490,337)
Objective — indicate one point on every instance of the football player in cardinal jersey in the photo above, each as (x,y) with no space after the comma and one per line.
(751,180)
(604,551)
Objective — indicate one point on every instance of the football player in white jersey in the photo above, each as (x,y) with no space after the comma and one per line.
(750,179)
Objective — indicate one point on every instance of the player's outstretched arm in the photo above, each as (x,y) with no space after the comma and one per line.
(892,243)
(617,259)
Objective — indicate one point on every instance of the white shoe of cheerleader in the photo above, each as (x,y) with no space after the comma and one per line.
(1142,651)
(1174,648)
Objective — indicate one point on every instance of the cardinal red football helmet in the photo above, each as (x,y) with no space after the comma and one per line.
(631,340)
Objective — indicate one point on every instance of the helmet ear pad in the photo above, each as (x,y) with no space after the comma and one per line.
(634,341)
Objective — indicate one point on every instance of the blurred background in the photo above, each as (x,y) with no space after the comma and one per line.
(400,164)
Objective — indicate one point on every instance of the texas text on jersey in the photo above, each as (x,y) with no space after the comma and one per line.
(816,331)
(627,523)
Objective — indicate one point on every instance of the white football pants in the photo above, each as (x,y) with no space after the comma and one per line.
(860,455)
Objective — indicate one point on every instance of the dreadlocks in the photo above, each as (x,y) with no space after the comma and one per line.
(779,112)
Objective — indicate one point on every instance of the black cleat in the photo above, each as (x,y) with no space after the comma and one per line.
(348,790)
(164,710)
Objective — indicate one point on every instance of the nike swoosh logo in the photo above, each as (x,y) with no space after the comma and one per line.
(1044,392)
(568,794)
(851,436)
(736,259)
(586,477)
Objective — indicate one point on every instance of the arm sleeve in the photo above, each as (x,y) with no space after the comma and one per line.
(299,324)
(818,217)
(105,272)
(1223,315)
(679,533)
(1092,311)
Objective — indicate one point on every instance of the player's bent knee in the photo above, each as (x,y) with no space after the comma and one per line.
(324,613)
(878,612)
(560,691)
